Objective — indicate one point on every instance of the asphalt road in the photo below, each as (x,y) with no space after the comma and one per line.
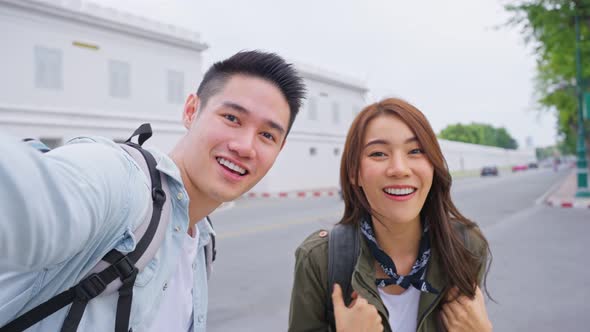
(539,277)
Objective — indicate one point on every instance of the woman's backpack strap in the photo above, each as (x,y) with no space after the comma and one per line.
(343,252)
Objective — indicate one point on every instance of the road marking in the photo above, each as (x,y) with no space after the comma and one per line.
(266,228)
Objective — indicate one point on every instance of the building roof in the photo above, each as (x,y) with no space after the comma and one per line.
(109,18)
(322,75)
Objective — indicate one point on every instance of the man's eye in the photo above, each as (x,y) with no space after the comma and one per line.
(231,118)
(268,136)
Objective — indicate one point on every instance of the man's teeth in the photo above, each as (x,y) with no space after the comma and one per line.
(400,192)
(231,166)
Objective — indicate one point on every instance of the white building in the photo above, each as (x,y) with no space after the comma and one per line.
(464,156)
(72,67)
(311,156)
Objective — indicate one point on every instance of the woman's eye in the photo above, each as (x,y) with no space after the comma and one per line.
(268,136)
(417,151)
(231,118)
(377,154)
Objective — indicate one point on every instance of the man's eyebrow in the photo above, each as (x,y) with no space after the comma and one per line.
(236,107)
(241,109)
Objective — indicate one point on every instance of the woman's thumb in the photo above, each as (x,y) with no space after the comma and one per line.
(337,299)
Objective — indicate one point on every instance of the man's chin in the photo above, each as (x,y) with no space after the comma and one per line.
(228,196)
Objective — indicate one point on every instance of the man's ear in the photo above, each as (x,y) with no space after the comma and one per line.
(191,107)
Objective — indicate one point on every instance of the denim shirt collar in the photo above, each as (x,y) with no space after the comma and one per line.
(166,165)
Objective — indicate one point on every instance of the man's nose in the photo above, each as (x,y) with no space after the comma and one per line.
(243,145)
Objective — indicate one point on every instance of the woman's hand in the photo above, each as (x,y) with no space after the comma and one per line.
(360,316)
(463,314)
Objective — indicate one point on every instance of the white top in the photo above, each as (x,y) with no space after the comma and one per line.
(176,310)
(403,309)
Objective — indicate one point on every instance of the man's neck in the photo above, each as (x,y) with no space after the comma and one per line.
(200,205)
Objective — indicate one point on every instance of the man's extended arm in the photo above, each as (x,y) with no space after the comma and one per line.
(52,205)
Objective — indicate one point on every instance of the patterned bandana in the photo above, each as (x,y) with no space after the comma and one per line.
(416,277)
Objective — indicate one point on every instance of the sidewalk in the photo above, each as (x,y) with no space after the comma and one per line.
(565,194)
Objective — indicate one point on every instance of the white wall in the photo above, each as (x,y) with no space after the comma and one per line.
(464,156)
(83,103)
(296,168)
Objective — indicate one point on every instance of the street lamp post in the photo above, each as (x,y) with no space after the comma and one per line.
(582,163)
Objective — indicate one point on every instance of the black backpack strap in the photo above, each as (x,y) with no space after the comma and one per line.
(144,132)
(125,264)
(158,198)
(343,252)
(81,293)
(214,249)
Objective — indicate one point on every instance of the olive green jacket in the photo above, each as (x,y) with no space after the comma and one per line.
(309,295)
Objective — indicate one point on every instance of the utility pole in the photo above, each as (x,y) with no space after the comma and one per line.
(582,162)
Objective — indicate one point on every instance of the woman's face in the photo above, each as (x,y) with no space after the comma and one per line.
(395,174)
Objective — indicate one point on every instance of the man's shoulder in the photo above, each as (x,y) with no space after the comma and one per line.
(92,139)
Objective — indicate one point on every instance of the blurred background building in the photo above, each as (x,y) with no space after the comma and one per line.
(72,67)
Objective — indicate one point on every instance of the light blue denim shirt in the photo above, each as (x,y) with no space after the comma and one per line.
(62,211)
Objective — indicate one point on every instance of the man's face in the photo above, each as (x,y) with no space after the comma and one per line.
(234,139)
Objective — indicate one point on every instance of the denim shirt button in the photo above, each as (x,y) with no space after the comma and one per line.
(177,229)
(201,318)
(179,196)
(165,286)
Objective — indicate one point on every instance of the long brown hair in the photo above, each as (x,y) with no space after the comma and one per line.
(459,265)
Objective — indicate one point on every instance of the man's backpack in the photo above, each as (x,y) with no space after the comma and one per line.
(116,271)
(343,252)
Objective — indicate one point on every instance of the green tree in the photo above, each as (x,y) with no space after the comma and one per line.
(477,133)
(546,152)
(548,25)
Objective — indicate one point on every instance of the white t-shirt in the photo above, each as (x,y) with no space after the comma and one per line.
(403,309)
(176,310)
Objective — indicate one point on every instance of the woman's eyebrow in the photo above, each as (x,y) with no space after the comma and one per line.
(386,142)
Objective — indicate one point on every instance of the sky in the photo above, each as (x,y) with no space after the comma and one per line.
(455,59)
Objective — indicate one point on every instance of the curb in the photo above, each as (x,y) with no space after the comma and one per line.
(562,195)
(568,203)
(294,194)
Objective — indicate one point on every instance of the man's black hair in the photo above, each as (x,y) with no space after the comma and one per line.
(268,66)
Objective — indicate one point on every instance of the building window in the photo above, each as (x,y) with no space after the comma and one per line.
(336,151)
(335,113)
(312,109)
(51,142)
(313,151)
(48,68)
(119,79)
(175,87)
